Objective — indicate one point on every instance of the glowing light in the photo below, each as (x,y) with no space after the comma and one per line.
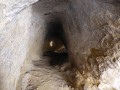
(51,43)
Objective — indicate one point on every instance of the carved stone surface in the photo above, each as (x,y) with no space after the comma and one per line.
(92,38)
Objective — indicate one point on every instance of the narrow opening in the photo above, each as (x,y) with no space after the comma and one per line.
(54,44)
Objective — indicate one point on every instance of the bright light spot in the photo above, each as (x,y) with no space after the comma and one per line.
(51,43)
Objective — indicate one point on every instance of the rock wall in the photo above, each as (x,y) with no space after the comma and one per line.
(90,27)
(19,32)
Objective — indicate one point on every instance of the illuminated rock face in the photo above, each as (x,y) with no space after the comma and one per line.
(90,33)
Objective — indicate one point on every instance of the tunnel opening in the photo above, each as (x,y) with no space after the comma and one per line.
(27,70)
(54,46)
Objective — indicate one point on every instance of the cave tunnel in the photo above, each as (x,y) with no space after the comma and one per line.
(60,45)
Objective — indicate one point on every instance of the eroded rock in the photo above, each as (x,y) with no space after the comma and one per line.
(91,36)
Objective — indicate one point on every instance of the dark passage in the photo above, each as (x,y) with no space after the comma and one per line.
(54,45)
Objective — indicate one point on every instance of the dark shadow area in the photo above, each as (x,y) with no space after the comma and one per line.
(55,36)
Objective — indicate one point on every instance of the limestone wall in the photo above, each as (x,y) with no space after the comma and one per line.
(19,33)
(22,31)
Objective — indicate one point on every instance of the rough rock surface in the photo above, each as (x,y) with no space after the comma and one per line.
(92,29)
(15,35)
